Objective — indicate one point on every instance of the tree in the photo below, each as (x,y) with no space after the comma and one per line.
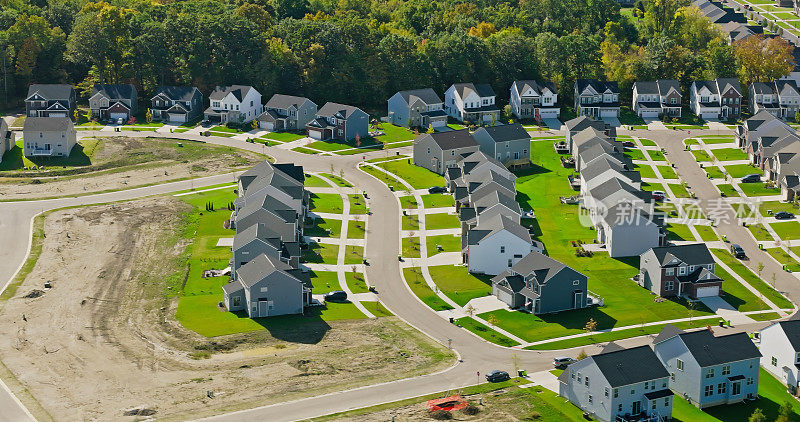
(759,59)
(469,310)
(591,325)
(148,116)
(493,320)
(785,412)
(582,355)
(482,30)
(101,37)
(760,268)
(757,416)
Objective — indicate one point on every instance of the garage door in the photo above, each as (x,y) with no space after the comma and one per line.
(503,296)
(708,291)
(548,114)
(439,123)
(58,114)
(315,134)
(608,113)
(267,125)
(115,116)
(177,118)
(650,113)
(710,115)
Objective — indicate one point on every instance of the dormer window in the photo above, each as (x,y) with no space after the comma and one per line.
(682,270)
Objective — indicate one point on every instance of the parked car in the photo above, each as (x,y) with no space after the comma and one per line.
(562,362)
(737,251)
(783,215)
(751,178)
(336,296)
(658,195)
(437,189)
(497,376)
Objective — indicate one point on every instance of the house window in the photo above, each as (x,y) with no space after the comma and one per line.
(669,271)
(251,103)
(708,391)
(502,249)
(736,388)
(575,282)
(586,381)
(722,388)
(237,301)
(681,270)
(263,289)
(580,378)
(666,401)
(573,375)
(669,285)
(616,393)
(774,361)
(672,376)
(429,150)
(654,405)
(710,373)
(679,364)
(510,263)
(749,381)
(633,391)
(619,408)
(605,392)
(453,152)
(797,357)
(726,370)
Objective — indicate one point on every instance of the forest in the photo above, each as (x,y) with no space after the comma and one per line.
(362,51)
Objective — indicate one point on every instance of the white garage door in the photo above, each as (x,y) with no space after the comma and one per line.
(439,123)
(315,134)
(548,114)
(608,113)
(709,115)
(708,291)
(649,113)
(177,118)
(267,125)
(58,114)
(503,296)
(115,116)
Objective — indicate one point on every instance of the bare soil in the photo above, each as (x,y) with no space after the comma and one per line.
(102,343)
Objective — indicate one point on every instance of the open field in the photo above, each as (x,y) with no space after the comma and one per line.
(117,310)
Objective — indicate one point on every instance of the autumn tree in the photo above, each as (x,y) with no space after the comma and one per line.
(761,59)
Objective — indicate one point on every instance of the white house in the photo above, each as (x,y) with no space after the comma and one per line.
(534,100)
(468,102)
(780,347)
(495,245)
(717,99)
(234,104)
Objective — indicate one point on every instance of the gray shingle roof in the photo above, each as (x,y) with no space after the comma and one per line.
(505,133)
(452,139)
(286,177)
(536,86)
(283,102)
(341,111)
(496,224)
(482,90)
(260,268)
(545,267)
(239,91)
(115,92)
(427,95)
(51,91)
(690,254)
(599,86)
(256,231)
(177,93)
(630,366)
(47,124)
(792,330)
(708,349)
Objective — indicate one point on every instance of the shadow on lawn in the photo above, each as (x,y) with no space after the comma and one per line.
(12,159)
(576,319)
(533,170)
(305,329)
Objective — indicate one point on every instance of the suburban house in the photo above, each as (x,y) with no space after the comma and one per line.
(682,270)
(628,229)
(541,285)
(340,122)
(113,102)
(534,100)
(7,141)
(762,125)
(718,14)
(472,169)
(738,31)
(287,113)
(468,102)
(494,245)
(581,123)
(780,346)
(420,108)
(618,385)
(779,98)
(282,181)
(717,99)
(591,143)
(596,99)
(707,369)
(606,167)
(280,217)
(48,136)
(176,104)
(508,144)
(439,151)
(267,287)
(257,240)
(50,100)
(233,104)
(658,98)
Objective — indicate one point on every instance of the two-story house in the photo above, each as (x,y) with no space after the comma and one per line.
(654,99)
(340,122)
(779,98)
(681,270)
(495,244)
(541,285)
(50,100)
(534,100)
(233,104)
(780,346)
(619,385)
(596,99)
(176,104)
(257,240)
(473,103)
(717,99)
(6,139)
(707,369)
(266,286)
(114,102)
(508,144)
(581,123)
(438,151)
(287,113)
(48,136)
(420,108)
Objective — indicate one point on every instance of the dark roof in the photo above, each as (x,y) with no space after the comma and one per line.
(667,333)
(630,366)
(482,90)
(238,91)
(708,349)
(177,93)
(256,231)
(260,268)
(792,330)
(665,85)
(599,86)
(626,213)
(453,139)
(52,91)
(115,92)
(544,266)
(762,88)
(690,254)
(47,124)
(494,225)
(505,133)
(286,177)
(660,394)
(582,122)
(285,101)
(710,85)
(341,111)
(427,95)
(536,86)
(646,87)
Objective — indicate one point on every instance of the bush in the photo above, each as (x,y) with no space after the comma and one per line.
(441,415)
(471,409)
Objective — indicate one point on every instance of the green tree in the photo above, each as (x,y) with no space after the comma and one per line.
(101,37)
(757,416)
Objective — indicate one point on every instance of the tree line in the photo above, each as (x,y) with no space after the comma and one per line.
(353,51)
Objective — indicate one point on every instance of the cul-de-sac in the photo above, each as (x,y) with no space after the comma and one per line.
(400,210)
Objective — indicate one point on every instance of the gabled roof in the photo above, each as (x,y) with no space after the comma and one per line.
(786,87)
(708,349)
(262,267)
(465,88)
(47,124)
(339,111)
(614,185)
(51,91)
(505,133)
(494,225)
(537,87)
(689,254)
(762,88)
(238,91)
(646,87)
(258,231)
(493,197)
(626,213)
(599,86)
(605,163)
(711,86)
(669,331)
(451,139)
(724,84)
(285,177)
(115,92)
(791,329)
(544,267)
(270,204)
(283,102)
(622,367)
(177,93)
(667,85)
(582,122)
(426,95)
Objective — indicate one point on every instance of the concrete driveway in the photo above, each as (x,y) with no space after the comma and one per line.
(612,121)
(554,124)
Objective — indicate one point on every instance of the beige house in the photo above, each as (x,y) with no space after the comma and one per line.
(6,139)
(48,136)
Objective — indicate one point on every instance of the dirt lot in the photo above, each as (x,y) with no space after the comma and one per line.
(104,340)
(117,163)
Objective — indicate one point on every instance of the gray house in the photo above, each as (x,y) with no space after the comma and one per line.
(780,345)
(176,104)
(596,99)
(416,108)
(257,240)
(508,144)
(281,181)
(287,112)
(684,270)
(267,287)
(48,137)
(495,244)
(580,123)
(658,98)
(540,284)
(619,385)
(439,151)
(472,167)
(114,102)
(278,216)
(6,139)
(339,122)
(50,100)
(709,370)
(534,100)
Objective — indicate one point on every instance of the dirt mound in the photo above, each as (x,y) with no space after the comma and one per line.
(33,294)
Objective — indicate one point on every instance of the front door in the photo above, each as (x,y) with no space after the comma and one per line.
(536,306)
(636,408)
(577,301)
(262,308)
(736,388)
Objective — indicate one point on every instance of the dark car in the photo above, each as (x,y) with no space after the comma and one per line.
(658,195)
(783,215)
(751,178)
(738,252)
(437,189)
(336,296)
(497,376)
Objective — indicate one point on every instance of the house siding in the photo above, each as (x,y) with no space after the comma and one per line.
(775,344)
(486,258)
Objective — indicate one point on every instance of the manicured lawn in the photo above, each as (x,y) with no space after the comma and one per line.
(449,243)
(283,136)
(726,189)
(645,170)
(353,254)
(766,316)
(411,248)
(323,227)
(416,282)
(690,141)
(356,229)
(338,180)
(635,154)
(324,281)
(776,206)
(759,232)
(693,210)
(417,177)
(651,186)
(312,181)
(394,133)
(701,155)
(358,204)
(321,253)
(738,296)
(356,282)
(678,232)
(326,202)
(679,190)
(758,189)
(438,200)
(377,309)
(656,155)
(706,233)
(647,142)
(740,170)
(410,222)
(407,202)
(667,172)
(713,172)
(380,175)
(784,258)
(458,284)
(717,140)
(787,230)
(485,332)
(328,146)
(225,129)
(752,279)
(441,221)
(304,150)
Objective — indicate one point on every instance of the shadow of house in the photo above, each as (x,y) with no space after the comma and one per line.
(309,328)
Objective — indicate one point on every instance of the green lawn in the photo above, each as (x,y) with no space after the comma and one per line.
(766,316)
(394,133)
(356,282)
(645,170)
(324,281)
(758,189)
(438,200)
(635,154)
(784,258)
(326,202)
(740,170)
(647,142)
(321,253)
(738,296)
(358,204)
(651,186)
(328,146)
(410,222)
(283,136)
(485,332)
(693,210)
(376,308)
(416,282)
(304,150)
(656,155)
(701,155)
(667,172)
(323,227)
(764,207)
(713,172)
(411,248)
(458,284)
(338,180)
(449,243)
(752,279)
(356,229)
(407,202)
(353,254)
(726,189)
(759,232)
(690,141)
(312,181)
(706,233)
(417,177)
(441,221)
(717,140)
(679,190)
(382,176)
(677,231)
(787,230)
